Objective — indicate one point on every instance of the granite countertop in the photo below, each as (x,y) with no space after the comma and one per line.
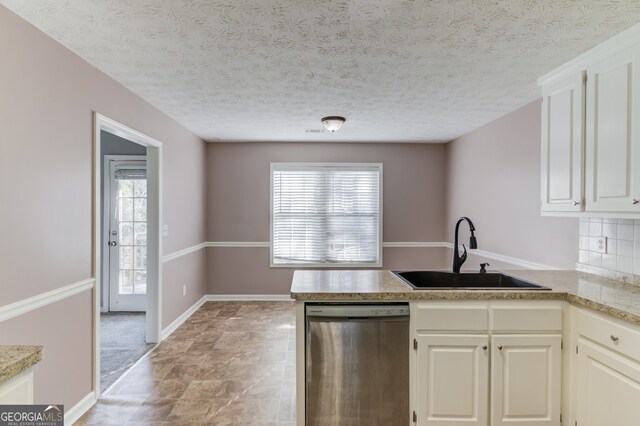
(15,359)
(605,295)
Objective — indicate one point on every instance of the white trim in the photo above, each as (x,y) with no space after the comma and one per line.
(248,297)
(615,44)
(154,220)
(507,259)
(183,252)
(414,244)
(29,304)
(605,215)
(166,332)
(74,413)
(238,244)
(392,244)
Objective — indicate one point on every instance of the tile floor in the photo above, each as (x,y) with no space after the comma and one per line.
(230,363)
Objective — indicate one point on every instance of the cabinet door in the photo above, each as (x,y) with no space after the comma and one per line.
(526,378)
(562,145)
(608,387)
(613,137)
(452,380)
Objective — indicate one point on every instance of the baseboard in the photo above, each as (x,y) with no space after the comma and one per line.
(248,297)
(74,413)
(166,332)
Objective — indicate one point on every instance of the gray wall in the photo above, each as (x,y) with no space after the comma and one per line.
(49,96)
(238,206)
(493,176)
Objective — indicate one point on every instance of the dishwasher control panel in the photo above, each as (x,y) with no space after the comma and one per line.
(358,311)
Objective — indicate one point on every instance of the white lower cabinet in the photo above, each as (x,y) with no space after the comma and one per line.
(18,389)
(452,379)
(479,375)
(525,379)
(608,372)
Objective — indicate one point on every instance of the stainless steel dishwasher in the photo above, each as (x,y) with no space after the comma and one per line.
(357,365)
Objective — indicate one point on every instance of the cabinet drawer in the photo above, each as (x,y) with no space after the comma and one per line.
(617,337)
(526,318)
(452,318)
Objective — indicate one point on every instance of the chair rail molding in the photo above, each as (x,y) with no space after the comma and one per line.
(29,304)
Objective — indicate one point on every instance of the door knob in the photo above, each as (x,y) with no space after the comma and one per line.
(112,243)
(484,347)
(499,347)
(576,203)
(635,201)
(614,338)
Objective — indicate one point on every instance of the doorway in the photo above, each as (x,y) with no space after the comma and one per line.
(127,249)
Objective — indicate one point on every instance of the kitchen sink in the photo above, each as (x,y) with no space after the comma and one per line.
(438,280)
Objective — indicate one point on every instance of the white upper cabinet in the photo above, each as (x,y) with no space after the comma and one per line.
(591,132)
(562,145)
(613,137)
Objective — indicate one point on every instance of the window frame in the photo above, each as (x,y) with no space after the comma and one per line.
(377,264)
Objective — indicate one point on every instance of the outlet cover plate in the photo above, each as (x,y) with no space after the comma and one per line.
(601,245)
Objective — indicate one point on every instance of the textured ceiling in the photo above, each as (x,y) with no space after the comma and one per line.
(398,70)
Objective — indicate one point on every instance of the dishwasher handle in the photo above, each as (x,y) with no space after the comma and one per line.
(353,312)
(403,318)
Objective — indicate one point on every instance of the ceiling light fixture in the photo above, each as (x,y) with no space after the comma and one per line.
(333,123)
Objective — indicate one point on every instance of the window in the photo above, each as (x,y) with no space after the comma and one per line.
(326,214)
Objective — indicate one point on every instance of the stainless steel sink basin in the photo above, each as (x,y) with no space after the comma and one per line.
(438,280)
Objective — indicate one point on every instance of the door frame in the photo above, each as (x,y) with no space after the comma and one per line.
(154,224)
(107,198)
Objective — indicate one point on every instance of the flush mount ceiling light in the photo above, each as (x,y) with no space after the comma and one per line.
(333,123)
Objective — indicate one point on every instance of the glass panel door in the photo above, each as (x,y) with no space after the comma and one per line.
(128,236)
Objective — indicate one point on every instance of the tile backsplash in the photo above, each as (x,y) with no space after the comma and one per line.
(623,244)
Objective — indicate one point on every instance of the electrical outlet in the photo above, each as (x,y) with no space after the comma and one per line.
(601,244)
(184,290)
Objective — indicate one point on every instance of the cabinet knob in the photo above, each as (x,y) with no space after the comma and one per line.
(635,201)
(499,347)
(614,338)
(576,203)
(484,347)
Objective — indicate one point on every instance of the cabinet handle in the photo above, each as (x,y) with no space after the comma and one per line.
(576,203)
(500,347)
(484,347)
(635,201)
(614,338)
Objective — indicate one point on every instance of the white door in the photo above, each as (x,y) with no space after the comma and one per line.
(127,242)
(608,387)
(613,133)
(562,145)
(525,380)
(452,380)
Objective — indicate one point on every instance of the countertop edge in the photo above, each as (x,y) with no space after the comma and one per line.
(425,295)
(33,355)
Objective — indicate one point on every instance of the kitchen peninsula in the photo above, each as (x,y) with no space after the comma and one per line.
(555,342)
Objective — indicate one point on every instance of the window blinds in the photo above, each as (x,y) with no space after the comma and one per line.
(125,174)
(326,214)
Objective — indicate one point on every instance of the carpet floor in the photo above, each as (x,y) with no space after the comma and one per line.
(122,343)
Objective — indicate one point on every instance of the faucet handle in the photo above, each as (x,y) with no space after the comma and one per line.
(483,267)
(463,256)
